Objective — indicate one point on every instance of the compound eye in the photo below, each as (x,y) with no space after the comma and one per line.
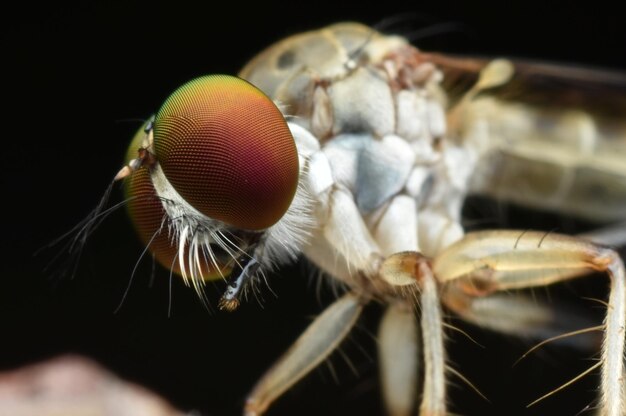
(227,150)
(147,214)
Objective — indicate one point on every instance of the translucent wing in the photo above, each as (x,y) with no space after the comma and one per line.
(550,137)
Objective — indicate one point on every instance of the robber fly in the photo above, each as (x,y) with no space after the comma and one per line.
(357,150)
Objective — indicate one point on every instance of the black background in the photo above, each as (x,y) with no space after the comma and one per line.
(78,80)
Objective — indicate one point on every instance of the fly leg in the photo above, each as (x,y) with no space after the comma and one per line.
(491,261)
(343,235)
(405,270)
(434,395)
(399,355)
(312,347)
(410,276)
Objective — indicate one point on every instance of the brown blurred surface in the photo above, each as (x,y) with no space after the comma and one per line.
(75,386)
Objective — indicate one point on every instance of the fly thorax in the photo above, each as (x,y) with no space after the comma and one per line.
(388,138)
(376,106)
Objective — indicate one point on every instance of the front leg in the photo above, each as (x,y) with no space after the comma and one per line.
(320,339)
(406,271)
(398,349)
(491,261)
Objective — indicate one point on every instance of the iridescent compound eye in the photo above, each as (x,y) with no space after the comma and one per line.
(150,219)
(227,150)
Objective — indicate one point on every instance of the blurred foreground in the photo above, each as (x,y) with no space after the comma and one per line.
(75,386)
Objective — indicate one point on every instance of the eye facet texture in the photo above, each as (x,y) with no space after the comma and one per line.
(151,222)
(227,150)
